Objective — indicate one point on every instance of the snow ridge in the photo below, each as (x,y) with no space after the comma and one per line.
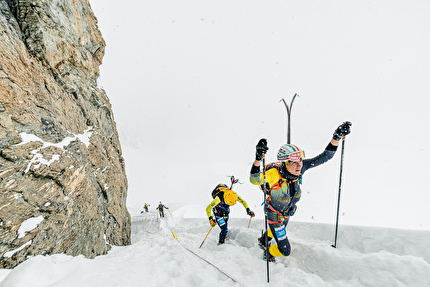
(366,256)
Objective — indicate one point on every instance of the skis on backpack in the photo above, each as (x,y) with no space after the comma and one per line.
(289,108)
(233,180)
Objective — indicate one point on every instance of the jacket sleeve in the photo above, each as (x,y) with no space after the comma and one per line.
(214,203)
(241,200)
(323,157)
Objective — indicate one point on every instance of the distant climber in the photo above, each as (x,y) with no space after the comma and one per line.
(161,208)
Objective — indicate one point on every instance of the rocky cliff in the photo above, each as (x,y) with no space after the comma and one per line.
(62,177)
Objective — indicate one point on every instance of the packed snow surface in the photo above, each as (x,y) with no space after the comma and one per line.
(365,256)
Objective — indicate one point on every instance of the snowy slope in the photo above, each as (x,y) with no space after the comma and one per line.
(364,257)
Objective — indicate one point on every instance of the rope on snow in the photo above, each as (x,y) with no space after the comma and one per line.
(222,272)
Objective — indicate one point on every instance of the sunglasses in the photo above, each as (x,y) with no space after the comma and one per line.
(296,156)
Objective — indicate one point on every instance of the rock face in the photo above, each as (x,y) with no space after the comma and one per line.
(62,177)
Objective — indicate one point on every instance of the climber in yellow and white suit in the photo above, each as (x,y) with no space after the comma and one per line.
(220,205)
(283,179)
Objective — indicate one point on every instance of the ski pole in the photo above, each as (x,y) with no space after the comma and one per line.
(338,196)
(265,216)
(249,221)
(206,237)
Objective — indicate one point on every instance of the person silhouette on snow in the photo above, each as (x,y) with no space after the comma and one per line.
(161,208)
(283,179)
(146,207)
(224,197)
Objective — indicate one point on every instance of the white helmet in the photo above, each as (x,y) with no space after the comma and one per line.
(289,152)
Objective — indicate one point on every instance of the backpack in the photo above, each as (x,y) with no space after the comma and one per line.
(277,165)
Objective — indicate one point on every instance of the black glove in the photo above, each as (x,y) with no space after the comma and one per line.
(261,149)
(343,130)
(249,212)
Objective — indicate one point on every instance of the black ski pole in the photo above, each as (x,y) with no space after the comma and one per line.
(289,116)
(265,217)
(338,196)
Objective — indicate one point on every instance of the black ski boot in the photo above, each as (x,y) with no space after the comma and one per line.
(262,242)
(221,241)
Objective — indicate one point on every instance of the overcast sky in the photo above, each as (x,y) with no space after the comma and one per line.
(195,84)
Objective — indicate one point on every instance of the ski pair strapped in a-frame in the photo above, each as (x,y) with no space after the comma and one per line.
(233,180)
(289,117)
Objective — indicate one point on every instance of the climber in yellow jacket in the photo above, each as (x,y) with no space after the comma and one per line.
(224,197)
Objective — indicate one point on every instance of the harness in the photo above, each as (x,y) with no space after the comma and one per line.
(219,211)
(282,216)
